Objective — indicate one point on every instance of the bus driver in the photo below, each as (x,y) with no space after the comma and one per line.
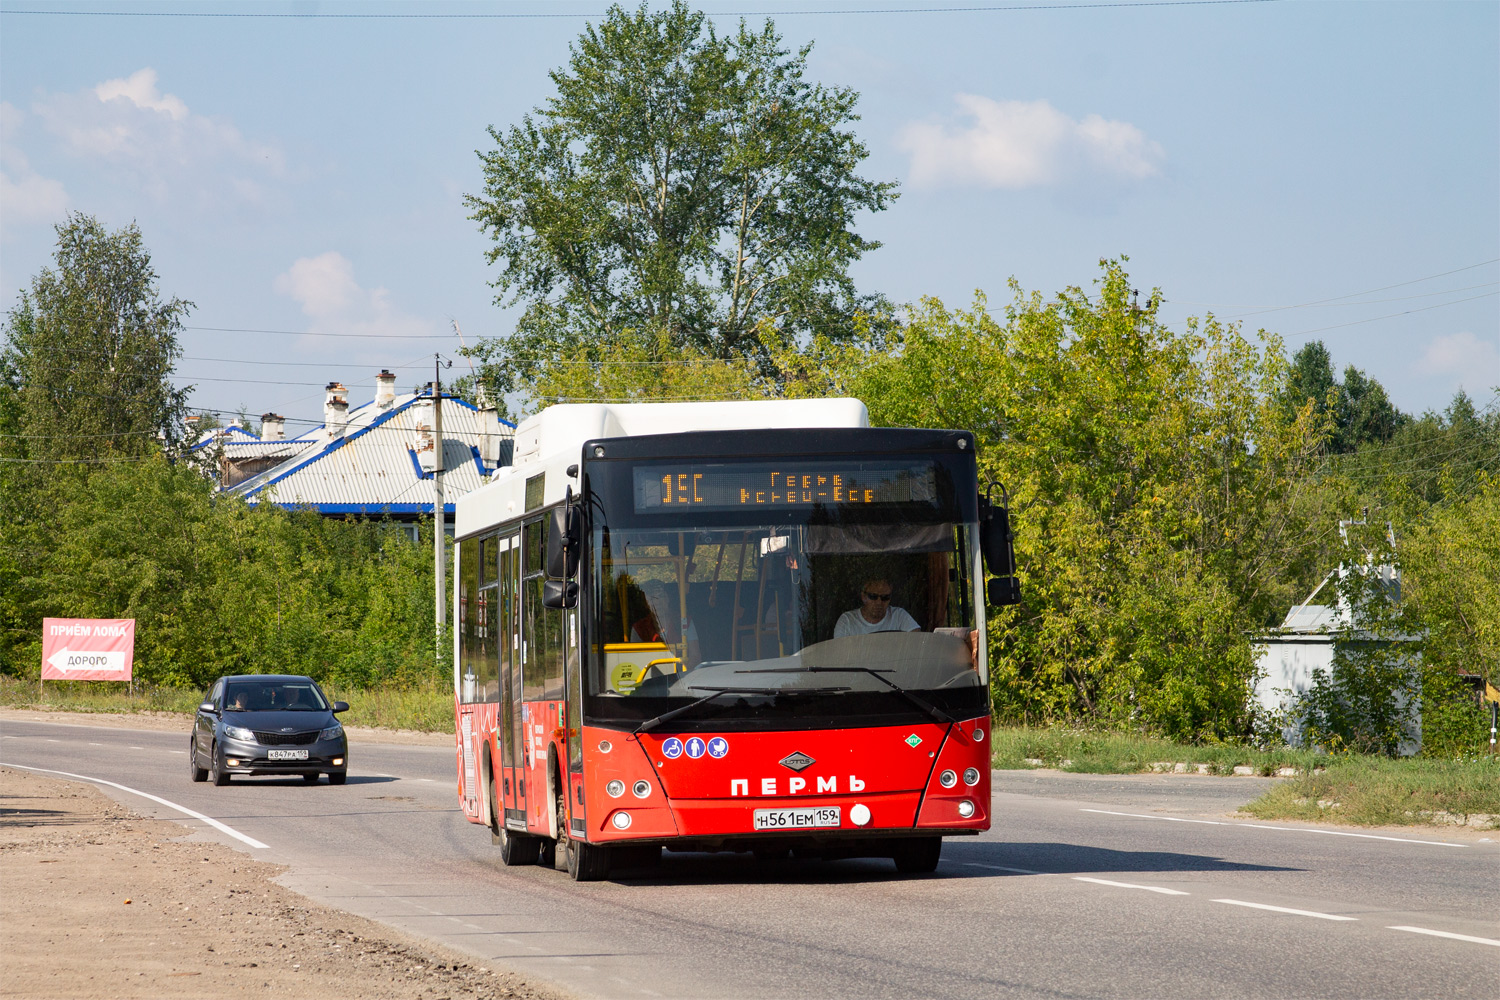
(875,612)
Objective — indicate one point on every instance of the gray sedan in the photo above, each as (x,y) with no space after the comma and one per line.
(268,724)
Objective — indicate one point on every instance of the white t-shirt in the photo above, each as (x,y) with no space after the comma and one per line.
(853,623)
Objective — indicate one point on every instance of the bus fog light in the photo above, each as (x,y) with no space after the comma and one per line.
(621,820)
(978,734)
(971,776)
(948,779)
(859,814)
(615,788)
(641,788)
(966,809)
(604,746)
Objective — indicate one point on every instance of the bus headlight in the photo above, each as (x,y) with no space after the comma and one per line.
(948,779)
(966,809)
(621,820)
(971,776)
(615,788)
(641,788)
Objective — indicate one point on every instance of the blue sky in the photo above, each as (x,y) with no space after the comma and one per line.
(1253,159)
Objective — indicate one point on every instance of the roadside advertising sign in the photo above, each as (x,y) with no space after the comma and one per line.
(87,649)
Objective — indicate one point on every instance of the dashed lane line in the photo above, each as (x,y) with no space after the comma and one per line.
(1003,868)
(1447,934)
(1281,829)
(1131,885)
(221,827)
(1286,909)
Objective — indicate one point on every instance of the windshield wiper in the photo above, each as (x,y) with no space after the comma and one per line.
(937,713)
(650,724)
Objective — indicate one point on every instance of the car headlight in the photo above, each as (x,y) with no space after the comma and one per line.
(333,732)
(239,733)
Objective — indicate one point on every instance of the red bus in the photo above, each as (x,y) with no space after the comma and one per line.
(753,627)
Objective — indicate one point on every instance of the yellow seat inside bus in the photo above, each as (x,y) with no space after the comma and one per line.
(626,664)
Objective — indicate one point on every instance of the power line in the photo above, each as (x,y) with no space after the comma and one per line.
(1350,295)
(1404,312)
(310,333)
(565,15)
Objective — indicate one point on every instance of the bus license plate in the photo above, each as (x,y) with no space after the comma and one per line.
(796,819)
(287,754)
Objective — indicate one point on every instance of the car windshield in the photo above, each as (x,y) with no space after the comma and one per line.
(274,696)
(817,613)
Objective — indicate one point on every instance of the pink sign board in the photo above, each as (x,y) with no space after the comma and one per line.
(87,649)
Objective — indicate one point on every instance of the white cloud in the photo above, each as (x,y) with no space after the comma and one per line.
(1021,144)
(1471,362)
(130,124)
(25,195)
(325,288)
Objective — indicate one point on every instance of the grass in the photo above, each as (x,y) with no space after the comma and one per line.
(1378,791)
(1128,753)
(428,708)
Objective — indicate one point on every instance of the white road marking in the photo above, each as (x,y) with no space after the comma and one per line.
(1445,934)
(96,744)
(177,751)
(221,827)
(1286,909)
(50,740)
(1283,829)
(1131,885)
(1003,868)
(137,748)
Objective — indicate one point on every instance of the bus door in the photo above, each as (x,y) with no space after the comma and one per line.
(509,720)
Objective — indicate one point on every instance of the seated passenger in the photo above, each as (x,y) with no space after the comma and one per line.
(875,612)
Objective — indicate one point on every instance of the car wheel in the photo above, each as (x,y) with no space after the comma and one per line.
(918,856)
(216,772)
(337,777)
(310,779)
(194,771)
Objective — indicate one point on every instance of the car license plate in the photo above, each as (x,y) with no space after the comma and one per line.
(287,754)
(797,819)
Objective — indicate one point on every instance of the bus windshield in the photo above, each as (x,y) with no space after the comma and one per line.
(830,611)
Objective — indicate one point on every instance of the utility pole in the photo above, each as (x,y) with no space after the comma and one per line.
(439,518)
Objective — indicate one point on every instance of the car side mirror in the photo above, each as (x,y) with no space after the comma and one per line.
(340,706)
(559,593)
(208,707)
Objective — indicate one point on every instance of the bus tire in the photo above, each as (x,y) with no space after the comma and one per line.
(515,848)
(587,862)
(918,855)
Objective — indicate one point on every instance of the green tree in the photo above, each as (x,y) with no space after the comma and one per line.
(682,184)
(89,350)
(1163,496)
(1362,413)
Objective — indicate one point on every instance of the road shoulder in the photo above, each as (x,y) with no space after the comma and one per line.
(102,902)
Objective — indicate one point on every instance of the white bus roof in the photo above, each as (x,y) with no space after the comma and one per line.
(550,441)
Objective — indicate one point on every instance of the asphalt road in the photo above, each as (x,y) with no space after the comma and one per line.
(1086,887)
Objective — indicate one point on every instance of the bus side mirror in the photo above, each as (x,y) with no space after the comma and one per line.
(1003,590)
(563,541)
(559,593)
(998,545)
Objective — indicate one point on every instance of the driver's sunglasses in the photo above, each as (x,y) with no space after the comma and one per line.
(877,597)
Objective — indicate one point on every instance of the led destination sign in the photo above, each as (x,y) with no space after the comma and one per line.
(662,488)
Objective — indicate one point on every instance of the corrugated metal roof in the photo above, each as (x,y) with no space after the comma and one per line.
(372,466)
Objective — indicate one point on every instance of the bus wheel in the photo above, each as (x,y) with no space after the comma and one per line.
(584,862)
(918,855)
(515,849)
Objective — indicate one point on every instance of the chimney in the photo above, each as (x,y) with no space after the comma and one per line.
(490,436)
(272,427)
(335,408)
(385,390)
